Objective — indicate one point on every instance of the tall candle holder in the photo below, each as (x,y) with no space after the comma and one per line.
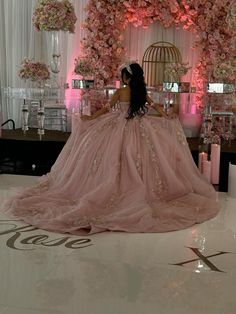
(167,97)
(220,98)
(207,123)
(38,93)
(55,62)
(41,118)
(25,116)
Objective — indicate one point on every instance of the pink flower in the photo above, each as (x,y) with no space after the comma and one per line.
(223,56)
(96,23)
(119,51)
(34,71)
(52,15)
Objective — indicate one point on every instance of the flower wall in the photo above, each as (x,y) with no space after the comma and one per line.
(103,46)
(107,19)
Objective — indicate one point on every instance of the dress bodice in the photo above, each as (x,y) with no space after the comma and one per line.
(121,106)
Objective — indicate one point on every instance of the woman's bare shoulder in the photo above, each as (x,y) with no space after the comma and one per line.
(124,93)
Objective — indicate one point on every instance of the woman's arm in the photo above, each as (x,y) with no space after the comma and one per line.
(176,110)
(105,109)
(114,98)
(157,107)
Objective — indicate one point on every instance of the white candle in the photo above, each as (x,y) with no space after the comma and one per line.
(117,84)
(232,181)
(206,169)
(201,157)
(215,163)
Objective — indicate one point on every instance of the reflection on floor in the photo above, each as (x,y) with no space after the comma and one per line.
(184,272)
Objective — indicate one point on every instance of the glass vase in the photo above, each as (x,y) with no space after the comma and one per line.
(41,118)
(55,61)
(25,116)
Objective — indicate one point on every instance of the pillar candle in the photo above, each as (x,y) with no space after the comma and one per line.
(201,157)
(232,181)
(206,169)
(215,163)
(117,84)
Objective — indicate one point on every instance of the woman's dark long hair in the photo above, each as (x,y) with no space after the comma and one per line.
(138,92)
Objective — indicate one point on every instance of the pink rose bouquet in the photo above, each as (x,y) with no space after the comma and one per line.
(34,71)
(176,70)
(54,15)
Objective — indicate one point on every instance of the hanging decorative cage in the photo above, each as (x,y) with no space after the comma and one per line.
(156,59)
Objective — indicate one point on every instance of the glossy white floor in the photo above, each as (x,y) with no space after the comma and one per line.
(118,273)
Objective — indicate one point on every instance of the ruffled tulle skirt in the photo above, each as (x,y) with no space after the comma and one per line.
(116,174)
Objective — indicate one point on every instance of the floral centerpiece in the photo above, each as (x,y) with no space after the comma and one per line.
(83,67)
(54,15)
(176,70)
(34,71)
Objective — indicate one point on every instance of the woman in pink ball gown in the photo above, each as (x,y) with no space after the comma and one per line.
(120,170)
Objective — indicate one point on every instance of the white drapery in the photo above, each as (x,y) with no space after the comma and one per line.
(19,39)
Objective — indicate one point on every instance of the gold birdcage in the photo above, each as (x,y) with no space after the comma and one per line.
(156,58)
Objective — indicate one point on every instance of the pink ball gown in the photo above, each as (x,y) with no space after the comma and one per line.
(116,174)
